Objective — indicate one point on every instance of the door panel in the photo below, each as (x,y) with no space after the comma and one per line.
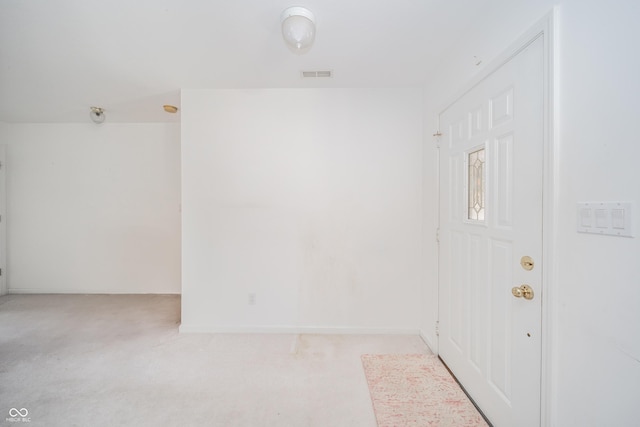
(491,165)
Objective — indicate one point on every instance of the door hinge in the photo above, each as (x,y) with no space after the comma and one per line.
(437,136)
(437,328)
(438,234)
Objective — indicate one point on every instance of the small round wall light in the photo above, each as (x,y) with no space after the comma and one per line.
(170,109)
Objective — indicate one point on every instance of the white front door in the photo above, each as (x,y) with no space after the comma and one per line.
(491,179)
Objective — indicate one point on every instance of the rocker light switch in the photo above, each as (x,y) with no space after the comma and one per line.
(609,218)
(617,219)
(585,217)
(602,219)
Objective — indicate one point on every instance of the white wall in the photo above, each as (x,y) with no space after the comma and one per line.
(308,198)
(595,318)
(93,209)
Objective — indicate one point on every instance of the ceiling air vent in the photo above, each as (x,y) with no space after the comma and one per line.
(315,74)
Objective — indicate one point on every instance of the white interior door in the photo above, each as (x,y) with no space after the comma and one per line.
(491,179)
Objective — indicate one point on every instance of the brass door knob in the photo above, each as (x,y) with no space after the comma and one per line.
(523,291)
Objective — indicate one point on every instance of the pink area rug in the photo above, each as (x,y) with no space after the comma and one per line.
(416,390)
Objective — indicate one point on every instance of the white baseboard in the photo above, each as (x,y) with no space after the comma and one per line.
(85,292)
(204,329)
(429,343)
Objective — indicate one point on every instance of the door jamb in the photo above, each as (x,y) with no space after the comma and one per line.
(4,285)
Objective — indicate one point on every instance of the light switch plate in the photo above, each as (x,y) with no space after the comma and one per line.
(607,218)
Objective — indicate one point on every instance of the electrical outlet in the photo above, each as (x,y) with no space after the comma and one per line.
(252,298)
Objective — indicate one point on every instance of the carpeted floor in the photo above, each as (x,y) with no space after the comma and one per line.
(417,390)
(118,360)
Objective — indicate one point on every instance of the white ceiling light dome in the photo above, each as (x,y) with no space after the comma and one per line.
(298,28)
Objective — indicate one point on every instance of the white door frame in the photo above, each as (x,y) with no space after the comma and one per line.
(4,288)
(547,28)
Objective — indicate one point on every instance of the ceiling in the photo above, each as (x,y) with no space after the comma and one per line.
(59,57)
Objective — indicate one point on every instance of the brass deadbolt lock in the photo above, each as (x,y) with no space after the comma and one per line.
(527,263)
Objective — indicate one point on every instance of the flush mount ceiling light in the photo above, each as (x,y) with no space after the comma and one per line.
(97,114)
(170,109)
(298,28)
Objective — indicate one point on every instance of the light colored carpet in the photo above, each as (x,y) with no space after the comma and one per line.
(118,360)
(416,390)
